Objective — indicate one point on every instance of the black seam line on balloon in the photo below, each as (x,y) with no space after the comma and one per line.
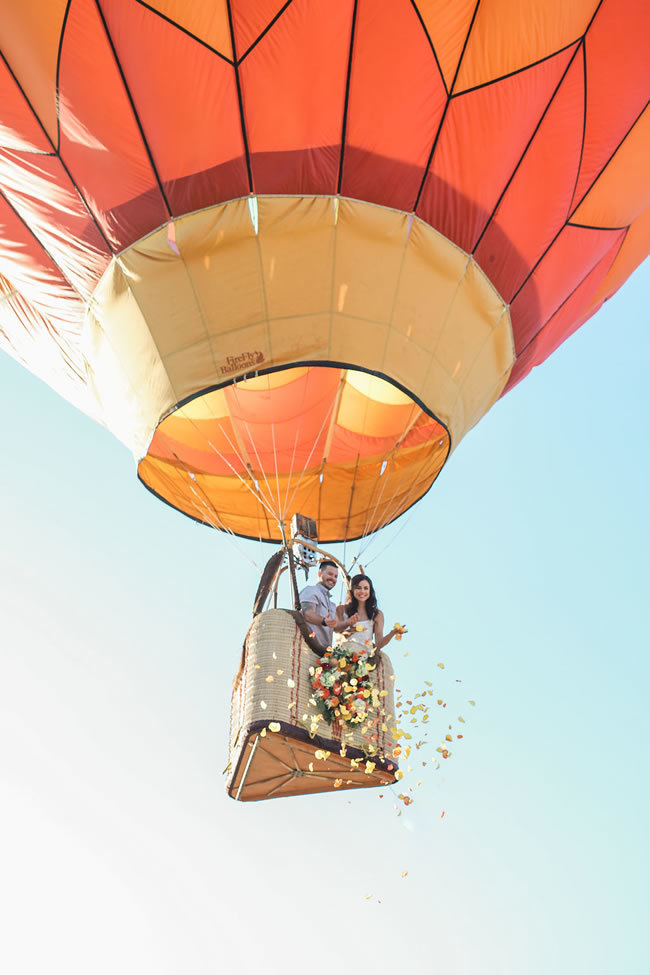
(433,50)
(33,111)
(516,71)
(28,152)
(584,117)
(240,97)
(57,152)
(264,32)
(590,226)
(39,242)
(602,170)
(184,30)
(446,109)
(584,109)
(584,103)
(568,220)
(568,297)
(64,24)
(525,151)
(347,96)
(300,363)
(133,109)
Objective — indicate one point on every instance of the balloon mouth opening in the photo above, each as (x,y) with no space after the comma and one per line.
(347,447)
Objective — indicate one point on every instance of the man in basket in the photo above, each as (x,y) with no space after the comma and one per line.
(318,609)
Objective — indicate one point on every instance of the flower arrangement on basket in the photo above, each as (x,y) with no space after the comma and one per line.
(341,683)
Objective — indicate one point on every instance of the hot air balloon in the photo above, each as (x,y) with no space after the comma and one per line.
(290,254)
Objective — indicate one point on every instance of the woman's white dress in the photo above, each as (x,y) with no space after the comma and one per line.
(364,636)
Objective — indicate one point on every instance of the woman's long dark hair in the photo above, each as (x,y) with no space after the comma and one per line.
(352,604)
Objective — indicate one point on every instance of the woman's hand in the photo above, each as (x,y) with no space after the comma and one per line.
(340,626)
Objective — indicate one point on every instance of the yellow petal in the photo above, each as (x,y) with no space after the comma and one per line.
(442,666)
(405,873)
(269,679)
(338,783)
(263,733)
(461,719)
(274,726)
(263,705)
(291,683)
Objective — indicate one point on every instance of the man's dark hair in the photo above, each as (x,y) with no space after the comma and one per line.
(325,563)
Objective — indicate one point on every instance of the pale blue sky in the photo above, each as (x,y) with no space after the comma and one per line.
(525,570)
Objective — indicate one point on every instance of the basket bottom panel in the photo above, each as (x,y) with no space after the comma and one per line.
(278,765)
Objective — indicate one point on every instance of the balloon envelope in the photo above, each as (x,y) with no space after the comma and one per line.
(290,254)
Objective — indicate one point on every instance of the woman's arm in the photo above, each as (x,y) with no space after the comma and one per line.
(380,639)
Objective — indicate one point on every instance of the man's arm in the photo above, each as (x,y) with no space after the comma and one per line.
(311,614)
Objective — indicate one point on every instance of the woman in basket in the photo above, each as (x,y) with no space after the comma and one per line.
(363,603)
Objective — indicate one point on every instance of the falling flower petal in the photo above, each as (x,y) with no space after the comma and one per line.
(269,679)
(263,705)
(338,783)
(405,873)
(442,666)
(274,726)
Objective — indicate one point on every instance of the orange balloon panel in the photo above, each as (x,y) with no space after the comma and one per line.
(343,447)
(437,193)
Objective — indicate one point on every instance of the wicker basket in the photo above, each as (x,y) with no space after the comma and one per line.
(272,690)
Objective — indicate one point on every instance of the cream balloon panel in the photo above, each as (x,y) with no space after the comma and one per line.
(320,281)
